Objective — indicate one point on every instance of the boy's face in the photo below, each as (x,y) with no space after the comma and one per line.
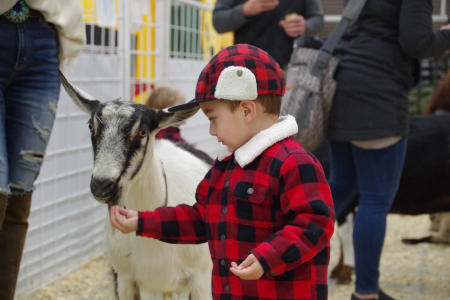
(228,126)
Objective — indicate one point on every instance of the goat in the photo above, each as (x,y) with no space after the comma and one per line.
(133,169)
(439,104)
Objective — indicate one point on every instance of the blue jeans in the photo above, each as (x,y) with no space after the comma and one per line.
(29,92)
(375,176)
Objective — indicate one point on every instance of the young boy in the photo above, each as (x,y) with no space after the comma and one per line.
(264,207)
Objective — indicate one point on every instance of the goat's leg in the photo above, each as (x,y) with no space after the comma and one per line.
(435,222)
(443,235)
(126,287)
(137,294)
(343,271)
(337,268)
(440,237)
(346,234)
(200,288)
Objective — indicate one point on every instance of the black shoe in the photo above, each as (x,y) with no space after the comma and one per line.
(381,296)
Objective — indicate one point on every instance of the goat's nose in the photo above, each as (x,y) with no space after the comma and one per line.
(103,187)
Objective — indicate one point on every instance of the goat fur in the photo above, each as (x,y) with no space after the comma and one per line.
(159,267)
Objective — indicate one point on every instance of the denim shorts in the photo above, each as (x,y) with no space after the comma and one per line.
(29,92)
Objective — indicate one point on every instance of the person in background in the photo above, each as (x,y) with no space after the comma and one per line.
(265,206)
(37,37)
(369,120)
(271,25)
(164,97)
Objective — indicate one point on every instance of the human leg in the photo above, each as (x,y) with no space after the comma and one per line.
(343,182)
(343,186)
(12,236)
(378,172)
(30,96)
(3,165)
(8,50)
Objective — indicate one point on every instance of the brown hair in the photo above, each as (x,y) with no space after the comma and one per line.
(163,97)
(440,99)
(271,103)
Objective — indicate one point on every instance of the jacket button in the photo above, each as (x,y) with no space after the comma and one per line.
(223,262)
(273,273)
(223,236)
(226,288)
(227,183)
(224,210)
(250,191)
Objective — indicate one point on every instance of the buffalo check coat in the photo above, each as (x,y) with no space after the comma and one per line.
(270,198)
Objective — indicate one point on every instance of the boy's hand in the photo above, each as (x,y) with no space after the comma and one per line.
(294,25)
(255,7)
(249,269)
(125,220)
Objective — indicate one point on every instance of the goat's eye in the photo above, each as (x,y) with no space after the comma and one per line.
(91,127)
(142,133)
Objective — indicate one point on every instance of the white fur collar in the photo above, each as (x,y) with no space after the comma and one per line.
(285,127)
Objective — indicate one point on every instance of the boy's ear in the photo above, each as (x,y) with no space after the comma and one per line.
(167,118)
(249,109)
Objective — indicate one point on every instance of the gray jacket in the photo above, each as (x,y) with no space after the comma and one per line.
(264,30)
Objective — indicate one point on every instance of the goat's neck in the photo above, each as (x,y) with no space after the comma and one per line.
(147,190)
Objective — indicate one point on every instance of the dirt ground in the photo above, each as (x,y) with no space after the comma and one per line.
(419,272)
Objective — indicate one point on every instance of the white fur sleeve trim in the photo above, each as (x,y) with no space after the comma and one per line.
(236,83)
(285,127)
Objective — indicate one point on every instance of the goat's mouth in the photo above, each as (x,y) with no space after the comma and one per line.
(110,199)
(105,190)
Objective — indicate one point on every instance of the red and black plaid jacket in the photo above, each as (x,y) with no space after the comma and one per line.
(278,207)
(170,133)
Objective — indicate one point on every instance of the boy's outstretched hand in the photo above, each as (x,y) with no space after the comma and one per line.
(125,220)
(249,269)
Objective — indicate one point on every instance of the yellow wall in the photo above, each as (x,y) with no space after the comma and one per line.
(90,10)
(212,42)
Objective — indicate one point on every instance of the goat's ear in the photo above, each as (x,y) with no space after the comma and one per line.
(167,118)
(84,101)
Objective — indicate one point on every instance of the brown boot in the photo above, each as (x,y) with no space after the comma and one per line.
(12,240)
(3,204)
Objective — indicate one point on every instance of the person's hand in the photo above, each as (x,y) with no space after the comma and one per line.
(294,25)
(125,220)
(249,269)
(255,7)
(445,27)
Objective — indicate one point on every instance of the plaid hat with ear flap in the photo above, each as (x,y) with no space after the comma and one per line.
(238,72)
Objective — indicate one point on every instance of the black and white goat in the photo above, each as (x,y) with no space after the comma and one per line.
(133,169)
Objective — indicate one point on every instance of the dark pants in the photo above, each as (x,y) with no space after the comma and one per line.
(29,92)
(375,176)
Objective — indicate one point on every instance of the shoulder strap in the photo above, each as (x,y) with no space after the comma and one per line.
(350,14)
